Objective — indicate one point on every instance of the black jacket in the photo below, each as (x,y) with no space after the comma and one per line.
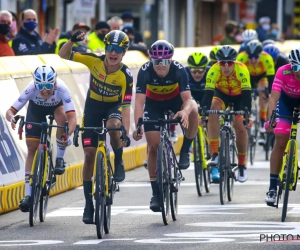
(25,43)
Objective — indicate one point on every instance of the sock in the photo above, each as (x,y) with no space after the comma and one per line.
(214,144)
(87,189)
(60,149)
(273,181)
(263,114)
(186,145)
(242,159)
(172,127)
(118,154)
(27,186)
(154,186)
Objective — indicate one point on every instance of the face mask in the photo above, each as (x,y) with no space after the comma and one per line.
(13,27)
(4,29)
(266,26)
(129,24)
(101,36)
(30,25)
(274,32)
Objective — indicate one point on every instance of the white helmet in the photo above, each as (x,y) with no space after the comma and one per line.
(294,57)
(44,74)
(249,34)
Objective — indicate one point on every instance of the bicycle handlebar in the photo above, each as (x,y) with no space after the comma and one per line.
(295,117)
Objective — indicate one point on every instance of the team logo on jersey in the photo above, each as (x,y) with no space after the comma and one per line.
(128,72)
(68,100)
(287,72)
(53,99)
(29,126)
(21,99)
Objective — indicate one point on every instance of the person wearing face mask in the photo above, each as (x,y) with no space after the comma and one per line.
(263,28)
(13,28)
(5,23)
(79,46)
(96,38)
(274,32)
(28,41)
(127,18)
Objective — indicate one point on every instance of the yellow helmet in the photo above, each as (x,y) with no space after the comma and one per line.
(117,37)
(213,52)
(197,59)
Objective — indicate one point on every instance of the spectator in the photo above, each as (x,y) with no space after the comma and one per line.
(263,28)
(80,46)
(132,45)
(240,29)
(5,24)
(230,32)
(128,22)
(14,25)
(28,41)
(95,39)
(115,23)
(274,32)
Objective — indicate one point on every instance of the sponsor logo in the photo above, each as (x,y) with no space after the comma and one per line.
(87,141)
(128,72)
(116,37)
(101,76)
(244,80)
(178,64)
(68,100)
(21,99)
(22,47)
(208,80)
(127,97)
(53,100)
(145,66)
(287,72)
(29,126)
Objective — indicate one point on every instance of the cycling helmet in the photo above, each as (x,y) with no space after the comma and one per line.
(117,37)
(197,59)
(268,41)
(213,52)
(44,74)
(226,53)
(254,47)
(272,50)
(249,34)
(161,49)
(294,57)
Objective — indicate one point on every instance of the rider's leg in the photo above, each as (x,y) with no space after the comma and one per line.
(263,108)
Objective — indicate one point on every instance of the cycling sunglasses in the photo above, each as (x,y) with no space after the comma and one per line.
(112,47)
(41,86)
(164,62)
(197,70)
(253,56)
(295,68)
(226,63)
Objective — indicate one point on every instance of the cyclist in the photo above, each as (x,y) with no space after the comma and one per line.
(267,42)
(262,71)
(212,55)
(284,98)
(108,97)
(227,81)
(247,36)
(47,95)
(162,84)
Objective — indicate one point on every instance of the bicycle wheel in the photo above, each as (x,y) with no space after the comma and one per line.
(163,182)
(231,175)
(48,174)
(198,165)
(36,185)
(109,199)
(288,175)
(174,188)
(99,195)
(207,170)
(268,145)
(222,167)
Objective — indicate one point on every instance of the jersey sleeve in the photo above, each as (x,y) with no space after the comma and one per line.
(268,62)
(86,59)
(278,81)
(242,57)
(211,78)
(65,95)
(25,96)
(142,79)
(183,79)
(244,77)
(128,91)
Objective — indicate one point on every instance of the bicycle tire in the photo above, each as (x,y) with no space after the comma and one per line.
(99,195)
(174,188)
(268,145)
(207,171)
(290,166)
(109,199)
(221,168)
(36,184)
(198,170)
(230,177)
(163,183)
(44,198)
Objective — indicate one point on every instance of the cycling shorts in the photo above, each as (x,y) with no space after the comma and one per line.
(93,115)
(255,80)
(37,113)
(155,110)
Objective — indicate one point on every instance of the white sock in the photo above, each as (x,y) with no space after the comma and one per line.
(60,149)
(27,186)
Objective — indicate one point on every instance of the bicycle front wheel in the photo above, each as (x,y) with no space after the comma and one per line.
(207,170)
(222,168)
(288,177)
(36,185)
(163,182)
(198,165)
(174,188)
(99,195)
(109,199)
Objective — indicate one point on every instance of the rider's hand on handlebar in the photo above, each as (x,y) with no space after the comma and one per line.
(269,128)
(66,140)
(13,123)
(139,136)
(201,122)
(184,118)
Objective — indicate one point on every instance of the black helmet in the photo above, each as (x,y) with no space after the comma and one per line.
(226,53)
(117,37)
(254,47)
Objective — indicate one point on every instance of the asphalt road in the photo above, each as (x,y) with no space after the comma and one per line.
(202,222)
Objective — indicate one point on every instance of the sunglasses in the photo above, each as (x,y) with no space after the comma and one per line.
(41,86)
(295,68)
(226,63)
(164,62)
(112,47)
(197,70)
(253,56)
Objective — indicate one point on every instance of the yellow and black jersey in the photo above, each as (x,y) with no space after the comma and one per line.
(106,88)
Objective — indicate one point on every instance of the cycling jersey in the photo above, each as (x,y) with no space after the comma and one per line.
(159,89)
(106,88)
(30,93)
(238,83)
(281,60)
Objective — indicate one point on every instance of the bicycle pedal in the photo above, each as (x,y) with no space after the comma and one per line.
(117,189)
(182,179)
(233,164)
(270,204)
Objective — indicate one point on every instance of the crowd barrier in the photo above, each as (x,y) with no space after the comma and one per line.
(16,73)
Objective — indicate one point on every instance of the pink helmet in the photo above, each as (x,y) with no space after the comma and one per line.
(161,49)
